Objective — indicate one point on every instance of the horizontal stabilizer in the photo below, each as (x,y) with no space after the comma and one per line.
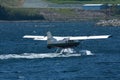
(35,37)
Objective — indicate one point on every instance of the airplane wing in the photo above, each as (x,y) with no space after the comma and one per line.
(69,37)
(90,37)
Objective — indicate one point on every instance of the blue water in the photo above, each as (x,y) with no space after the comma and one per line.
(103,65)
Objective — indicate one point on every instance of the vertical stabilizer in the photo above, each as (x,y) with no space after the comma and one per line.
(50,39)
(49,35)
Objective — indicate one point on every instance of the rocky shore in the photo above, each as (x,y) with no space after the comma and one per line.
(113,22)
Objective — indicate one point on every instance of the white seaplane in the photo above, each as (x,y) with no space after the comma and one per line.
(66,44)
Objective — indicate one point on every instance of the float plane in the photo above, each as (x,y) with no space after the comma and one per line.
(66,44)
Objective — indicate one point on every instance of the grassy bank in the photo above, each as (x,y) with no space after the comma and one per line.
(70,14)
(85,1)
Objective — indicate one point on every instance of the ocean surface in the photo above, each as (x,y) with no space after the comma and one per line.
(21,59)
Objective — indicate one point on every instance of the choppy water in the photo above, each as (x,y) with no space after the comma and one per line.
(20,59)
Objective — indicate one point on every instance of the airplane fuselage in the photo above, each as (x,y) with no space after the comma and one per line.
(66,44)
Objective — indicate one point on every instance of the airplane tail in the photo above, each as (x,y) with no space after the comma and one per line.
(49,35)
(50,39)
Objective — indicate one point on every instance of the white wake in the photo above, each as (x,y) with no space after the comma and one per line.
(43,55)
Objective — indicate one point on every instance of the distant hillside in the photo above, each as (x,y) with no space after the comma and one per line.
(10,10)
(11,2)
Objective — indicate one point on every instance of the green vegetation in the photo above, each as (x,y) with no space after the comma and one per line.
(19,14)
(11,2)
(85,1)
